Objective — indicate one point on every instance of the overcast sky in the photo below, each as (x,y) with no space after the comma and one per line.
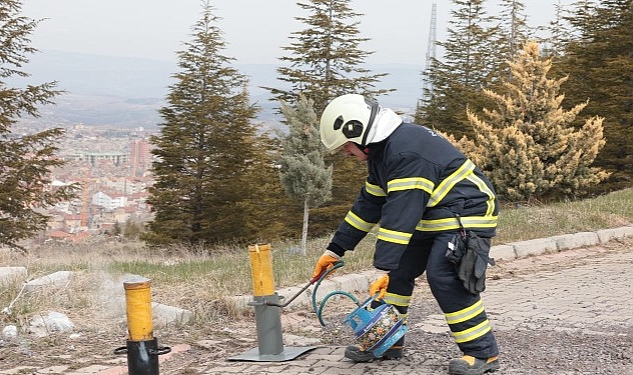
(255,30)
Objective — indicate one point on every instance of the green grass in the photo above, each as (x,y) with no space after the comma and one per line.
(525,223)
(229,272)
(200,281)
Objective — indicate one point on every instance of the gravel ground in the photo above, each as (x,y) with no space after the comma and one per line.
(535,347)
(529,352)
(538,346)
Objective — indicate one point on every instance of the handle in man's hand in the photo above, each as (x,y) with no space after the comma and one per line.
(379,287)
(325,262)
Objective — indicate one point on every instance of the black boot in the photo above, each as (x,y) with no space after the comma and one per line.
(356,354)
(469,365)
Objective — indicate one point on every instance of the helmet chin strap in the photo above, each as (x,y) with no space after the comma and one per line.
(375,108)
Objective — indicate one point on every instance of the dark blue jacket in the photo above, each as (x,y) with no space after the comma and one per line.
(417,182)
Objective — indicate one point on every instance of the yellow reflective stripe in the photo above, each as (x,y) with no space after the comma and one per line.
(404,318)
(358,223)
(374,190)
(410,183)
(484,188)
(397,299)
(472,333)
(451,223)
(465,314)
(445,186)
(394,236)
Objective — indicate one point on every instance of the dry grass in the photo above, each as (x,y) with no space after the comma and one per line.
(200,282)
(524,223)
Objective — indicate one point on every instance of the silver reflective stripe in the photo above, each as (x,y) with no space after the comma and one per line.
(473,333)
(358,223)
(394,236)
(451,223)
(445,186)
(410,183)
(374,190)
(484,188)
(465,314)
(397,299)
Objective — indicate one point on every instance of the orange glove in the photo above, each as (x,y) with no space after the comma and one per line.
(325,262)
(379,286)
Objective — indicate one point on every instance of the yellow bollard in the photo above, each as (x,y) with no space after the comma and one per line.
(142,347)
(261,270)
(139,309)
(267,318)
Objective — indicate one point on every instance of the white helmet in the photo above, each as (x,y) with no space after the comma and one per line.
(347,118)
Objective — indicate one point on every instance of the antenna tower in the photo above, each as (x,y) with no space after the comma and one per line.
(427,87)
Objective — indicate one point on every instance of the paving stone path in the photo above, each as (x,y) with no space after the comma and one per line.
(564,313)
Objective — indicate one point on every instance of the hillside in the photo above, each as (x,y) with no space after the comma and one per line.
(126,92)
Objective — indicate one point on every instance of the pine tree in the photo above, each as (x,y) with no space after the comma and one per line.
(26,159)
(116,229)
(325,60)
(599,62)
(470,63)
(270,216)
(303,172)
(205,148)
(530,148)
(514,31)
(558,32)
(132,229)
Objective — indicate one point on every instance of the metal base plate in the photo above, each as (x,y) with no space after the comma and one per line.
(289,353)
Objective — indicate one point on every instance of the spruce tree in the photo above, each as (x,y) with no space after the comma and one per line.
(269,216)
(471,62)
(599,62)
(303,172)
(26,159)
(325,60)
(514,31)
(553,45)
(205,148)
(529,146)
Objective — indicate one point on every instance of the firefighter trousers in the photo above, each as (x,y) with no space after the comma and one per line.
(464,312)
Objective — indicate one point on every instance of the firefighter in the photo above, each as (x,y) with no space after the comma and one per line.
(422,191)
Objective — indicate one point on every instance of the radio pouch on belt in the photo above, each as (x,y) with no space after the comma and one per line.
(469,254)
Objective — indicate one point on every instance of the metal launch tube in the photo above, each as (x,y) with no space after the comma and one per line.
(139,309)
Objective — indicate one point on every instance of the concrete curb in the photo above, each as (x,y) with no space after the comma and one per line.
(352,283)
(515,250)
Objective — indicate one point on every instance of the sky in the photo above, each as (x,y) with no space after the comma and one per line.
(255,30)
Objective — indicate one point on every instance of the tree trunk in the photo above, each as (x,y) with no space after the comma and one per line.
(304,231)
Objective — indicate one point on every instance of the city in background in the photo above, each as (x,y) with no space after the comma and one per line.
(111,166)
(109,113)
